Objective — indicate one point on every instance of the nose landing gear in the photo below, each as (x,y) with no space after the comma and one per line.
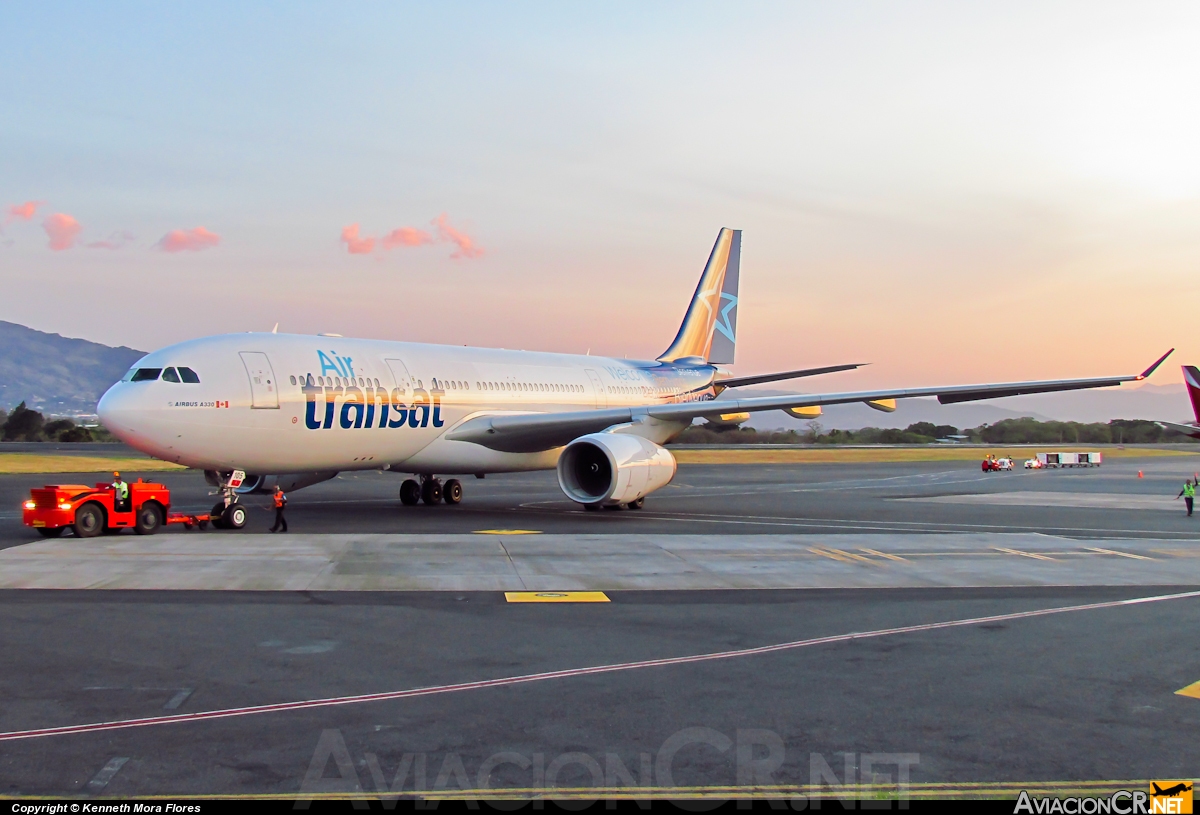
(228,513)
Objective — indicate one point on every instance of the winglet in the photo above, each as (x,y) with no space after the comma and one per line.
(1151,369)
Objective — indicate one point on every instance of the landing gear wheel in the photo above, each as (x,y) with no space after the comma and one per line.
(452,491)
(410,493)
(638,504)
(234,517)
(218,515)
(431,491)
(615,507)
(89,521)
(149,519)
(50,533)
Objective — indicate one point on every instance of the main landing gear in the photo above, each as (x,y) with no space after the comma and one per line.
(431,491)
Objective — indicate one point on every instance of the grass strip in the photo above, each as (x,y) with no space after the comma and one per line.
(15,463)
(863,455)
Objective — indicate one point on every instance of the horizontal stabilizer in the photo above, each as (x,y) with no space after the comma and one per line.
(1186,429)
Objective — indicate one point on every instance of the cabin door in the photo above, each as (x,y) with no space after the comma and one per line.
(264,389)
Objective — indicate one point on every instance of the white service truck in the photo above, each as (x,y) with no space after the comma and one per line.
(1069,459)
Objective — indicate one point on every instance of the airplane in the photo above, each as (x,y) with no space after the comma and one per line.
(254,410)
(1171,791)
(1191,378)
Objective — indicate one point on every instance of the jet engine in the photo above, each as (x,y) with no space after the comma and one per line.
(613,468)
(265,484)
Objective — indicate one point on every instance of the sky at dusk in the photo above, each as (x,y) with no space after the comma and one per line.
(953,192)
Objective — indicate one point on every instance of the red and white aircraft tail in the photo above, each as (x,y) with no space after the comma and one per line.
(1191,378)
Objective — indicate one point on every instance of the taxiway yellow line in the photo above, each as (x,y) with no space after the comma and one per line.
(1033,555)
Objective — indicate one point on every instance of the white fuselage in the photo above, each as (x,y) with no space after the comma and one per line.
(280,403)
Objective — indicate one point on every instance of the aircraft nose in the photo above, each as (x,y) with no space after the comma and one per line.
(117,410)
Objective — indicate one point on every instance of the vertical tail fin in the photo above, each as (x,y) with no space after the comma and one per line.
(709,328)
(1191,378)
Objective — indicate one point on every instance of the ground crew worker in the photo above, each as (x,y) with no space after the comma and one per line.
(280,501)
(122,493)
(1189,495)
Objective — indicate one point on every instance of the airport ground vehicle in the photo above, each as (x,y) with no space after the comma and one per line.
(91,511)
(995,465)
(1033,464)
(1070,459)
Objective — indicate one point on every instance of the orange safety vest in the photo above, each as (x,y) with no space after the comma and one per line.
(280,500)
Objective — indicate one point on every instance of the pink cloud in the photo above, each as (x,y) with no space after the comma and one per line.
(466,245)
(62,230)
(22,212)
(354,244)
(188,240)
(406,236)
(116,240)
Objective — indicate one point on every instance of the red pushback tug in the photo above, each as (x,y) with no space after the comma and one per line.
(90,511)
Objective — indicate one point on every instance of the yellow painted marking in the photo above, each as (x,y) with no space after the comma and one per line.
(1100,551)
(1192,690)
(556,597)
(508,532)
(1033,555)
(844,553)
(883,555)
(831,554)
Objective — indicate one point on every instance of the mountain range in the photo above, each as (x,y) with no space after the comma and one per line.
(57,375)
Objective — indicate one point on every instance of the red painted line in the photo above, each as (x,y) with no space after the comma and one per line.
(334,701)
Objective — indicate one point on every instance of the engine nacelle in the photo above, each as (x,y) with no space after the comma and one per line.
(265,484)
(613,468)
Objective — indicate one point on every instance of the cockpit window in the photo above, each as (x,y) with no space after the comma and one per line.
(169,375)
(189,376)
(146,374)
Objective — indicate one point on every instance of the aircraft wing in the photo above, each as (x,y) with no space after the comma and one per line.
(534,432)
(1185,429)
(742,381)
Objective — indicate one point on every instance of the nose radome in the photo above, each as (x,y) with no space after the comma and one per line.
(115,410)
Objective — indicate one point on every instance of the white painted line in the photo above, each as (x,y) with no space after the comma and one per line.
(178,699)
(877,553)
(100,780)
(337,701)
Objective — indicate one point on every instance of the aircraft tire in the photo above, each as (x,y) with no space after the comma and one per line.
(89,521)
(638,504)
(452,491)
(149,518)
(234,517)
(218,515)
(410,493)
(431,491)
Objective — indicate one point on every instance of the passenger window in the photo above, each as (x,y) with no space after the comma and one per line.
(146,374)
(293,380)
(169,375)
